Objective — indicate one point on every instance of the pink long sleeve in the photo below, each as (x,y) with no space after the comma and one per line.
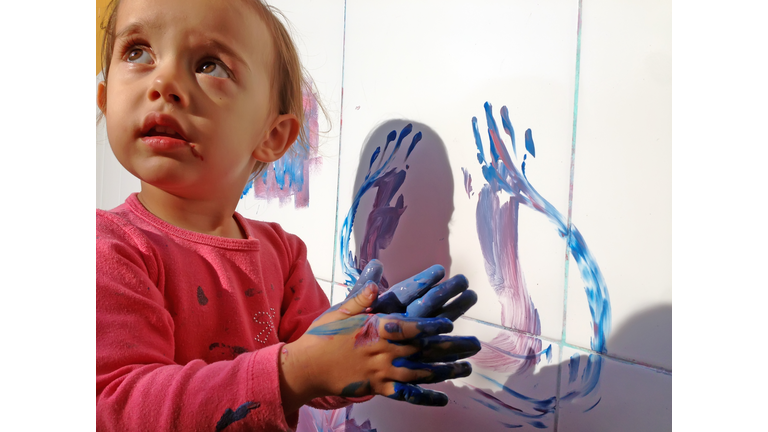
(189,326)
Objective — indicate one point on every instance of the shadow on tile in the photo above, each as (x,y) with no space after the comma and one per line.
(412,196)
(646,337)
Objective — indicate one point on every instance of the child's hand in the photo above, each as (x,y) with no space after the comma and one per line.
(349,353)
(418,296)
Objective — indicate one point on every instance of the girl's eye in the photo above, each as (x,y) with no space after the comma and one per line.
(213,69)
(138,55)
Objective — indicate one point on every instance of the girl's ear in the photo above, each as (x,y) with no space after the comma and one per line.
(101,97)
(279,138)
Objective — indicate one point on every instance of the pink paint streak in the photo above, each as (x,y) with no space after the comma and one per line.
(369,333)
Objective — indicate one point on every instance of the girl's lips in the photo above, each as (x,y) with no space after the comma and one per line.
(163,143)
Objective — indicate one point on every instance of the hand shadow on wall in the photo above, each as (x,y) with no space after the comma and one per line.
(630,398)
(408,230)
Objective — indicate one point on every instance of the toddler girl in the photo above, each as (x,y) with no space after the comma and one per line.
(207,320)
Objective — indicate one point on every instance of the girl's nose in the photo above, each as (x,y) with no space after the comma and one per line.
(167,85)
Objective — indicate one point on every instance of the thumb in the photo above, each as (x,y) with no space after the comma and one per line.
(362,301)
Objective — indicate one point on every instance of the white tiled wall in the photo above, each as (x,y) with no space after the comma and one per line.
(434,64)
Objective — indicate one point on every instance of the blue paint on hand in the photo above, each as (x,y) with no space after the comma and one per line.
(440,372)
(230,416)
(342,327)
(459,306)
(432,326)
(436,297)
(442,349)
(418,396)
(372,272)
(392,327)
(356,389)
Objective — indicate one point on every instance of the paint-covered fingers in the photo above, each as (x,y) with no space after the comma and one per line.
(400,295)
(441,349)
(416,395)
(458,306)
(430,303)
(429,373)
(395,328)
(371,273)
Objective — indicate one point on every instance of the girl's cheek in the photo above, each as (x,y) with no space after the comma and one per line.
(218,89)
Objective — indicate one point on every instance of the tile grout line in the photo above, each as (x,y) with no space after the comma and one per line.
(570,213)
(561,344)
(338,171)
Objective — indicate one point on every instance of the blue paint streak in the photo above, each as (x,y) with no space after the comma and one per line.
(509,180)
(529,143)
(546,351)
(248,187)
(502,176)
(343,327)
(373,158)
(573,367)
(510,426)
(416,139)
(523,165)
(230,416)
(538,424)
(590,408)
(508,127)
(545,404)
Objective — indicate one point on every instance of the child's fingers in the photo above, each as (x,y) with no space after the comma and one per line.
(401,328)
(371,273)
(458,306)
(403,293)
(436,373)
(434,299)
(350,307)
(416,395)
(442,349)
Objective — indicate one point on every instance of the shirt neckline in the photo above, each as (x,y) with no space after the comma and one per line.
(224,242)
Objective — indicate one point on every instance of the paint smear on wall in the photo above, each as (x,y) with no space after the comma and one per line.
(287,178)
(384,217)
(497,232)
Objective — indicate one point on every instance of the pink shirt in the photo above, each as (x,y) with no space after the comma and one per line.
(189,326)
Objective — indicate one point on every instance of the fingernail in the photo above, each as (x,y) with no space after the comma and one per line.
(371,289)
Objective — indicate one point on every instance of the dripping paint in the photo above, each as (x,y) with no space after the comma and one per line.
(289,176)
(498,235)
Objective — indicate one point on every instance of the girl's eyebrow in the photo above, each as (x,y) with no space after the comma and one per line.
(135,28)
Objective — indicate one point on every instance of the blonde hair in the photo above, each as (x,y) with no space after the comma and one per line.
(289,79)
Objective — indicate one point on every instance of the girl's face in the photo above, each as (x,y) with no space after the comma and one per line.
(188,101)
